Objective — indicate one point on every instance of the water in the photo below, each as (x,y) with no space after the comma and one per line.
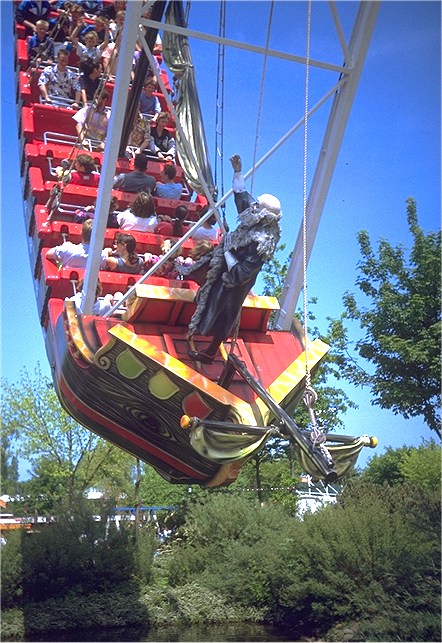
(197,633)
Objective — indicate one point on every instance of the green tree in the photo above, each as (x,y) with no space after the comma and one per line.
(420,466)
(66,458)
(332,402)
(401,325)
(8,468)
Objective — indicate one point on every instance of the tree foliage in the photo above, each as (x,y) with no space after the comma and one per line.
(367,562)
(65,457)
(418,465)
(401,324)
(332,402)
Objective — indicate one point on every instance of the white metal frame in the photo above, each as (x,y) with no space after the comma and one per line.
(344,92)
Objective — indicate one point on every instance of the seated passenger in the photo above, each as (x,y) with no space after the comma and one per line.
(90,80)
(89,212)
(200,256)
(124,258)
(91,50)
(174,227)
(140,216)
(169,269)
(92,121)
(152,72)
(63,25)
(59,82)
(84,173)
(40,47)
(29,11)
(91,7)
(140,134)
(149,104)
(136,181)
(117,24)
(102,305)
(100,26)
(168,189)
(163,139)
(110,55)
(206,230)
(111,9)
(74,255)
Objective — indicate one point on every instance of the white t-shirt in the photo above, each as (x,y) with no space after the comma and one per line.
(211,234)
(101,306)
(128,221)
(74,255)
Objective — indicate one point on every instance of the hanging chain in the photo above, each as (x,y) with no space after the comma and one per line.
(261,93)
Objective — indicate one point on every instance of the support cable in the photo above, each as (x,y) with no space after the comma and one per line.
(261,91)
(219,117)
(310,397)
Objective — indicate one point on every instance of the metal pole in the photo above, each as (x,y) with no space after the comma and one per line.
(340,112)
(191,33)
(118,108)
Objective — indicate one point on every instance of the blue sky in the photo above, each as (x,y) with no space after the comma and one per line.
(391,151)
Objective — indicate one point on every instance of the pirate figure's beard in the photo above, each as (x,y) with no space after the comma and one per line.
(259,225)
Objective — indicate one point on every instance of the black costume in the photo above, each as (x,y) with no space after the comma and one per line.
(220,299)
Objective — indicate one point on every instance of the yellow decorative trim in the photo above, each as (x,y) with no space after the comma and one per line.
(75,332)
(287,381)
(261,301)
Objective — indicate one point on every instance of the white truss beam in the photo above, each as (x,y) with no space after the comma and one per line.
(340,112)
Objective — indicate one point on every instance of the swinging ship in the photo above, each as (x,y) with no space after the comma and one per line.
(127,375)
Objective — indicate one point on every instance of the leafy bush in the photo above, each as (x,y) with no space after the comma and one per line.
(12,570)
(366,562)
(193,603)
(230,545)
(366,558)
(13,624)
(72,612)
(59,558)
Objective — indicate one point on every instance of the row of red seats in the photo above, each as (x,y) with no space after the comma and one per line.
(40,118)
(39,154)
(52,233)
(37,119)
(84,195)
(29,92)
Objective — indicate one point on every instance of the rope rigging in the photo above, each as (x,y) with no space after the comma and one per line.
(261,92)
(310,397)
(219,116)
(67,164)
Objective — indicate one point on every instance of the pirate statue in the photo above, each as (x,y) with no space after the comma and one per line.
(234,266)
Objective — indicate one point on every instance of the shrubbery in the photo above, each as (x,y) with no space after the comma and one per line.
(372,559)
(353,571)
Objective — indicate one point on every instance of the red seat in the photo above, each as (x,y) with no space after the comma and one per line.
(40,118)
(22,53)
(60,281)
(53,233)
(38,153)
(28,87)
(84,195)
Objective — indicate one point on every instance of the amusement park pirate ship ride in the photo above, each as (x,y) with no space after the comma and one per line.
(127,376)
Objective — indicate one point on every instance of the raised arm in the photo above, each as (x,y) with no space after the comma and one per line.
(243,199)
